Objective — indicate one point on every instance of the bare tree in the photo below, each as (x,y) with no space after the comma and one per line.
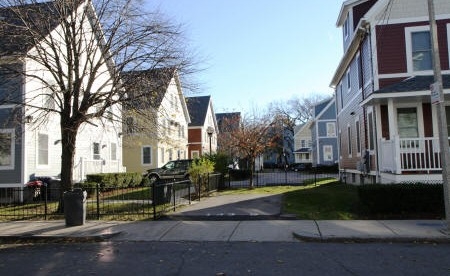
(74,51)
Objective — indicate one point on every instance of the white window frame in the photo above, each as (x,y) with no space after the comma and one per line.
(195,154)
(113,151)
(408,41)
(12,149)
(370,136)
(358,137)
(329,126)
(96,156)
(349,140)
(325,150)
(448,41)
(38,150)
(142,155)
(163,157)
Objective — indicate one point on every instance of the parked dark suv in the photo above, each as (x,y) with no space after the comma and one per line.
(176,169)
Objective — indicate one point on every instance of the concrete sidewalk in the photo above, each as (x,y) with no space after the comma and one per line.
(229,231)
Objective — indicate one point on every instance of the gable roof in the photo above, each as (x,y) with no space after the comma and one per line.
(148,87)
(198,108)
(18,37)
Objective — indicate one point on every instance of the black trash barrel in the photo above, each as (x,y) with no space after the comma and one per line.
(75,207)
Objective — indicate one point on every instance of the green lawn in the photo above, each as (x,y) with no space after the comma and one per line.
(327,199)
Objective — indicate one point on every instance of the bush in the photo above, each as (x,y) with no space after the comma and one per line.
(402,198)
(115,180)
(199,170)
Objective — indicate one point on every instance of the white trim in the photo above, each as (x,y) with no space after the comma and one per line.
(42,166)
(417,19)
(448,41)
(408,44)
(358,134)
(349,141)
(12,148)
(8,106)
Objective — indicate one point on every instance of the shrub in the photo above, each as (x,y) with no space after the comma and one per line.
(199,169)
(115,180)
(402,198)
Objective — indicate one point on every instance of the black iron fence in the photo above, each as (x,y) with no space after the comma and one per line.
(43,202)
(279,177)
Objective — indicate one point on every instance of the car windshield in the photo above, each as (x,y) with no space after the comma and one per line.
(169,165)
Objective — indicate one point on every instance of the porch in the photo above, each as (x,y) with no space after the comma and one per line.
(410,156)
(88,166)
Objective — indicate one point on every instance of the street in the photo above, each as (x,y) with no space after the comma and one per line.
(224,258)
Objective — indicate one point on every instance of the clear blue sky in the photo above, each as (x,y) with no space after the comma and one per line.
(260,51)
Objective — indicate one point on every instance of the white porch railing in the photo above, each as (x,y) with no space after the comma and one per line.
(410,154)
(88,166)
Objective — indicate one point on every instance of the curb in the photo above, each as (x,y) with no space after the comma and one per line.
(57,239)
(303,238)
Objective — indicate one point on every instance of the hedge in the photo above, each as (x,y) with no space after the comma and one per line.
(402,198)
(116,180)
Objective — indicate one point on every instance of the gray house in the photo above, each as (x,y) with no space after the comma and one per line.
(324,136)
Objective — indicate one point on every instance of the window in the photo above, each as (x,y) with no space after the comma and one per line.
(341,95)
(7,149)
(349,140)
(42,149)
(96,151)
(113,151)
(421,51)
(130,125)
(331,130)
(162,155)
(360,74)
(303,143)
(407,122)
(146,155)
(371,131)
(349,83)
(418,49)
(195,154)
(328,153)
(170,154)
(358,138)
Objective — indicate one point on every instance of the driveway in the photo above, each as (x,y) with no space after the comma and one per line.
(231,207)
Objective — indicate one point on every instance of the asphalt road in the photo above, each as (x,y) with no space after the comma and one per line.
(225,258)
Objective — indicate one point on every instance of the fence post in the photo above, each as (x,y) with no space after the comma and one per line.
(199,179)
(46,201)
(153,199)
(189,191)
(173,193)
(209,186)
(97,191)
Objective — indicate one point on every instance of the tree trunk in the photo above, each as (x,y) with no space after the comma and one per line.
(68,139)
(252,169)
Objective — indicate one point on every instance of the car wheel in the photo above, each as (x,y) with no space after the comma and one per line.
(153,178)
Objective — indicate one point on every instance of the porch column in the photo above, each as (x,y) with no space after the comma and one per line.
(392,125)
(394,137)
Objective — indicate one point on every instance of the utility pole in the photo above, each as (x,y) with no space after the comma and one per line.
(442,119)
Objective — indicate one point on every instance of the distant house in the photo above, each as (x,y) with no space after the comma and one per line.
(388,126)
(303,143)
(30,138)
(203,129)
(227,123)
(324,134)
(156,128)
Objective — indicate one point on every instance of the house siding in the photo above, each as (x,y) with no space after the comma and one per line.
(391,46)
